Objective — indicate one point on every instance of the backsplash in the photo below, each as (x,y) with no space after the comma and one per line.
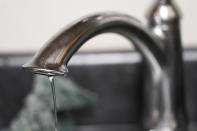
(116,83)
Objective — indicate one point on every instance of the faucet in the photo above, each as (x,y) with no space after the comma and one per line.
(160,45)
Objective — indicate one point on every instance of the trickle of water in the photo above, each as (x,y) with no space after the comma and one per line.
(51,79)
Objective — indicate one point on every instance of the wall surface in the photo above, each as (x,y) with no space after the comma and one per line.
(27,24)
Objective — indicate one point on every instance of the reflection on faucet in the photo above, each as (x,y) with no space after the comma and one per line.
(159,44)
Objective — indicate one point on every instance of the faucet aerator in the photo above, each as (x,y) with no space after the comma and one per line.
(62,70)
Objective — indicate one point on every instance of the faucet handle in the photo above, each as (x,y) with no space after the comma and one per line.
(163,11)
(164,21)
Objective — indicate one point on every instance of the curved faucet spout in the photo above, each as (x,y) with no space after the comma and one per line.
(53,57)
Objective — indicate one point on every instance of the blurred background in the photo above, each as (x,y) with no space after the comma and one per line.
(103,90)
(27,24)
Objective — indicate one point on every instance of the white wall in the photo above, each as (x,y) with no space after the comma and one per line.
(25,25)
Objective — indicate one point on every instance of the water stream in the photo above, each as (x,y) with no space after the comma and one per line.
(51,79)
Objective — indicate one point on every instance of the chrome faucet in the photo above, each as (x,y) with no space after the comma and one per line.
(160,45)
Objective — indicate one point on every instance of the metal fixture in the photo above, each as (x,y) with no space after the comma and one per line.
(159,44)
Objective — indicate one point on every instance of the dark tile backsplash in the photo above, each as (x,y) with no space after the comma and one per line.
(118,85)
